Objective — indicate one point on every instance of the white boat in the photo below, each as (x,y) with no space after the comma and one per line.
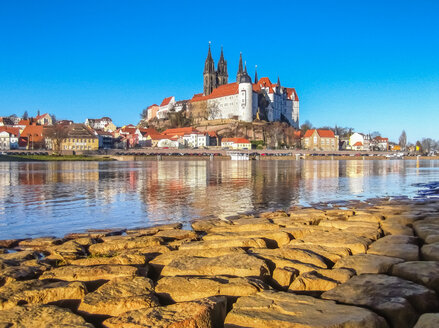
(237,156)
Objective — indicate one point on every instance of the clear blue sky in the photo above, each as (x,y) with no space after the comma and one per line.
(371,65)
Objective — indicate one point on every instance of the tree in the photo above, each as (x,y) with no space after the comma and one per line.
(57,134)
(144,114)
(213,111)
(403,140)
(418,146)
(306,126)
(25,115)
(375,134)
(427,145)
(53,118)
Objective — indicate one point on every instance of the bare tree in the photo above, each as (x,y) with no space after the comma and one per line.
(306,126)
(403,140)
(25,115)
(375,134)
(57,134)
(213,111)
(427,145)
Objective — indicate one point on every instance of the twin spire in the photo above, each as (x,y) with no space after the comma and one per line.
(215,78)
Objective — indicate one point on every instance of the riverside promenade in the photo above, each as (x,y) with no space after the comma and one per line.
(367,264)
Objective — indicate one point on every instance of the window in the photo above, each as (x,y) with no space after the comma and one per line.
(315,139)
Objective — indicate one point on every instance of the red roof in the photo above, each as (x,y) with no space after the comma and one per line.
(166,101)
(381,139)
(180,131)
(34,131)
(235,140)
(40,116)
(321,133)
(358,144)
(24,122)
(155,105)
(148,131)
(221,91)
(292,92)
(10,130)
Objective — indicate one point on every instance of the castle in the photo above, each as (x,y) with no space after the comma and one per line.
(242,100)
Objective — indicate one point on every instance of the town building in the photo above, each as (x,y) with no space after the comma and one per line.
(104,124)
(9,137)
(31,137)
(235,143)
(166,105)
(73,137)
(152,112)
(189,137)
(44,119)
(106,139)
(380,143)
(359,141)
(316,139)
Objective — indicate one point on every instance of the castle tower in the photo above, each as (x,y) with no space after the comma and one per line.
(222,75)
(256,74)
(209,74)
(245,96)
(240,70)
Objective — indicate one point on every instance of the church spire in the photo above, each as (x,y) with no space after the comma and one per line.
(209,74)
(278,81)
(222,75)
(240,70)
(256,73)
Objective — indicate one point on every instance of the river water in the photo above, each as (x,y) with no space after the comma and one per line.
(55,198)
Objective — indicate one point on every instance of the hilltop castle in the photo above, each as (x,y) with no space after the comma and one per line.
(243,100)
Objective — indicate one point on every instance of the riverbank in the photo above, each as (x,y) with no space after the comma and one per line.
(50,158)
(378,260)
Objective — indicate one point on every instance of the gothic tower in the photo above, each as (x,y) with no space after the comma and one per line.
(256,74)
(209,74)
(222,75)
(240,69)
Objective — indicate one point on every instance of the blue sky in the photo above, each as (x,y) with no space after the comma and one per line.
(371,65)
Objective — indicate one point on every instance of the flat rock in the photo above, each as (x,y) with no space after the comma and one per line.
(64,293)
(13,273)
(155,229)
(283,277)
(342,224)
(204,313)
(207,224)
(123,259)
(430,252)
(9,243)
(95,233)
(390,228)
(331,254)
(338,239)
(272,238)
(93,273)
(366,217)
(20,256)
(432,239)
(408,252)
(41,242)
(164,259)
(40,316)
(398,240)
(239,265)
(428,320)
(67,251)
(421,272)
(291,253)
(280,309)
(177,234)
(312,283)
(120,295)
(426,227)
(399,300)
(368,263)
(182,289)
(119,243)
(222,243)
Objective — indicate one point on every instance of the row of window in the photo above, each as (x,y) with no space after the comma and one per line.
(80,140)
(78,147)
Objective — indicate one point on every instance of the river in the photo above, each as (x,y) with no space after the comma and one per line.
(55,198)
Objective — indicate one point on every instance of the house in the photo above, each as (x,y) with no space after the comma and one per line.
(44,119)
(166,105)
(106,139)
(380,143)
(316,139)
(163,141)
(6,121)
(9,137)
(74,137)
(104,124)
(189,136)
(152,111)
(236,143)
(145,142)
(31,137)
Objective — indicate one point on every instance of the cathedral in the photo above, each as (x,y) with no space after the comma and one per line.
(243,100)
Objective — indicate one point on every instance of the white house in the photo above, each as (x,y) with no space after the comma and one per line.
(9,138)
(236,143)
(165,106)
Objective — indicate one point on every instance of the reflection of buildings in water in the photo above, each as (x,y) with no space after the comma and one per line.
(319,179)
(355,171)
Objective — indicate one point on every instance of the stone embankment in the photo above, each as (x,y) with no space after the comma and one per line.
(368,265)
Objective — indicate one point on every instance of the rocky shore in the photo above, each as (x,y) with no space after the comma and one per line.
(368,265)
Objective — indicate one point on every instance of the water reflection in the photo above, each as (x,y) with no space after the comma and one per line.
(58,197)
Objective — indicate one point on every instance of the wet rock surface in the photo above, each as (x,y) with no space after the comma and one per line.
(368,264)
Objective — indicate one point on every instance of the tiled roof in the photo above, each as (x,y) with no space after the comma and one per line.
(321,133)
(10,130)
(180,131)
(148,132)
(221,91)
(40,116)
(24,122)
(291,92)
(166,101)
(358,144)
(235,140)
(155,105)
(35,131)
